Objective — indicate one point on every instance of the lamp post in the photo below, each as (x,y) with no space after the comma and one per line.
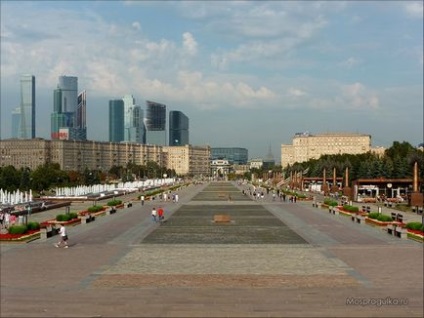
(28,213)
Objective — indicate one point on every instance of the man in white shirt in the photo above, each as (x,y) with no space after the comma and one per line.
(63,237)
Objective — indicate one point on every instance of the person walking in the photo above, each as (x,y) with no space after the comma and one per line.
(154,215)
(63,237)
(142,200)
(160,215)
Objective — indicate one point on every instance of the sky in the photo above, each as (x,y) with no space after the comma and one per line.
(248,74)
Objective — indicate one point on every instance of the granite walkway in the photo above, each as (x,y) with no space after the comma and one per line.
(303,262)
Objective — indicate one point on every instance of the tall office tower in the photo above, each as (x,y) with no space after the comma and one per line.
(178,128)
(80,117)
(138,130)
(155,122)
(27,126)
(68,108)
(134,130)
(116,120)
(16,122)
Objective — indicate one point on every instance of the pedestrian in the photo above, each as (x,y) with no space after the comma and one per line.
(176,198)
(142,199)
(160,215)
(63,237)
(154,215)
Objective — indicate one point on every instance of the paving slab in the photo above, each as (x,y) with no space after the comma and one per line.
(340,269)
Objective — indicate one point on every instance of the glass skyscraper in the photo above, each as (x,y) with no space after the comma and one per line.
(116,120)
(178,128)
(134,130)
(68,120)
(155,122)
(27,122)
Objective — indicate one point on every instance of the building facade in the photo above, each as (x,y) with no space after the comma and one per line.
(81,117)
(306,146)
(188,160)
(155,122)
(178,129)
(77,155)
(27,119)
(233,154)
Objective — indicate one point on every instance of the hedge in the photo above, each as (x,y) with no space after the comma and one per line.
(17,229)
(114,202)
(350,208)
(33,225)
(417,226)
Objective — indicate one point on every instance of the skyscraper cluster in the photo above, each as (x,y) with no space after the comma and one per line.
(68,120)
(128,121)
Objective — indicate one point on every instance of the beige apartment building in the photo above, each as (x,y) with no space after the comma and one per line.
(188,159)
(77,155)
(306,146)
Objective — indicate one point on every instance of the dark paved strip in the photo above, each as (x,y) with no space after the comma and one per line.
(248,225)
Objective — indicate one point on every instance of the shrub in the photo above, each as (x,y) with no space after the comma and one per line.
(384,218)
(373,215)
(95,208)
(61,217)
(114,202)
(18,229)
(418,226)
(330,202)
(350,208)
(33,225)
(73,215)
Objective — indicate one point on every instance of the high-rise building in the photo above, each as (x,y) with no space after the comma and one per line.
(178,128)
(134,130)
(81,117)
(16,122)
(27,123)
(155,122)
(116,120)
(68,120)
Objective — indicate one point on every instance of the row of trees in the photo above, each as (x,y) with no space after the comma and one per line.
(50,175)
(396,163)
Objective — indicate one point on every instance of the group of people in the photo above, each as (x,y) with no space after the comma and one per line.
(158,215)
(7,219)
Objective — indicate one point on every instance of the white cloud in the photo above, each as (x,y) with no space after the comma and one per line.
(295,92)
(350,62)
(136,25)
(414,9)
(189,44)
(356,96)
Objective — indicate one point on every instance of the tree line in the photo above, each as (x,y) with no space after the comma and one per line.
(49,176)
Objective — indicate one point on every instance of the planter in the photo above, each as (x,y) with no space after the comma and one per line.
(377,222)
(20,238)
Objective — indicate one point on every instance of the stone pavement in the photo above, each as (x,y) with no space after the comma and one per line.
(124,265)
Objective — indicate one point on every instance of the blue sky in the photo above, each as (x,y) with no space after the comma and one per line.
(247,73)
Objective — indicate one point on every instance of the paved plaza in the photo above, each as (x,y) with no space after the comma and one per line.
(271,259)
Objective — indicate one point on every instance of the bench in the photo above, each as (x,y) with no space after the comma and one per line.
(112,210)
(87,219)
(47,232)
(401,232)
(393,216)
(129,204)
(391,228)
